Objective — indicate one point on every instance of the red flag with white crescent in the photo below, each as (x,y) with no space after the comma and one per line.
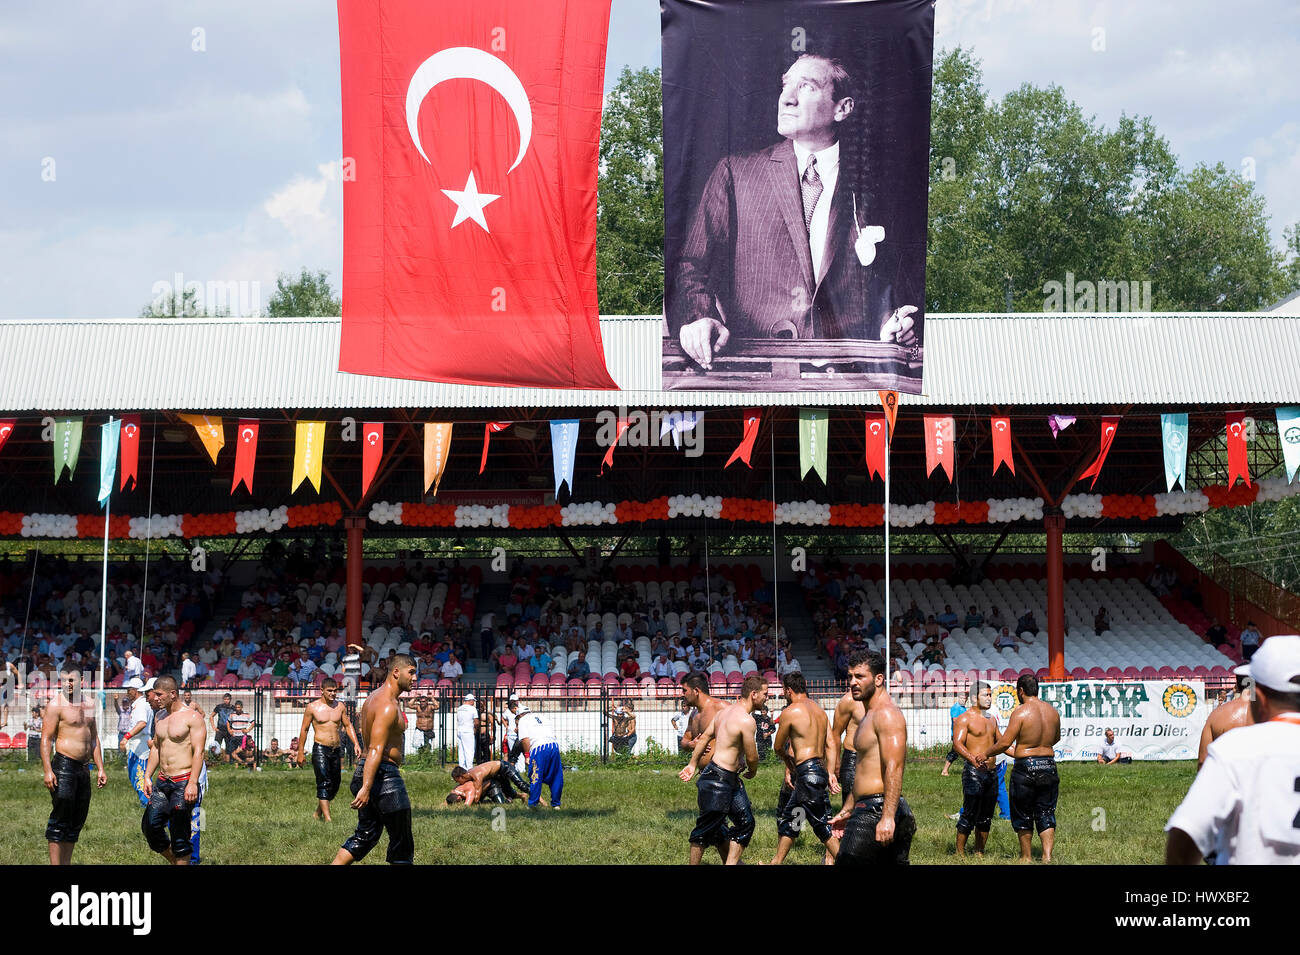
(876,446)
(1002,443)
(130,443)
(7,426)
(469,207)
(1238,465)
(608,461)
(245,454)
(372,452)
(746,447)
(489,429)
(1109,425)
(940,432)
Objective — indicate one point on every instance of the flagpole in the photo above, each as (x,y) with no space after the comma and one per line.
(776,602)
(889,618)
(103,608)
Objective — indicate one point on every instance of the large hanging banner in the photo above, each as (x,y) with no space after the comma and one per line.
(1153,719)
(796,172)
(472,132)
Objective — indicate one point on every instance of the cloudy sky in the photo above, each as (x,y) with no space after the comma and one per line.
(128,156)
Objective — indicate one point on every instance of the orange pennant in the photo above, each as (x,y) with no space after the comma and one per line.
(210,432)
(608,461)
(437,442)
(889,401)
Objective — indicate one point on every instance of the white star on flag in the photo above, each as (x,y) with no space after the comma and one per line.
(470,203)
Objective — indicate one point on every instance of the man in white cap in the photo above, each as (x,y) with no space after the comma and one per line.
(1245,803)
(135,743)
(467,727)
(511,730)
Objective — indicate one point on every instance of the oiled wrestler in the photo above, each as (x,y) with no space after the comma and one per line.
(325,717)
(176,754)
(802,742)
(69,741)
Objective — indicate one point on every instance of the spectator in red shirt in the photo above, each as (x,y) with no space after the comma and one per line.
(631,669)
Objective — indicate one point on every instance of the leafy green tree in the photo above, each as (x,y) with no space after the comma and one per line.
(309,294)
(630,197)
(186,305)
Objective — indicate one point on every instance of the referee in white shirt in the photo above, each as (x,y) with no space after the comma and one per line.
(1245,804)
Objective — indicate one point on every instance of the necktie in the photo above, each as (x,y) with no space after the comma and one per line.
(811,186)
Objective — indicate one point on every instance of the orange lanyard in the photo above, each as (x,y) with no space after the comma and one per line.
(1292,718)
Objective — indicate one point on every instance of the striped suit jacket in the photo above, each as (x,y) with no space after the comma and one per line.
(747,263)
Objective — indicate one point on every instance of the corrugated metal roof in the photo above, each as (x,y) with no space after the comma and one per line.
(198,364)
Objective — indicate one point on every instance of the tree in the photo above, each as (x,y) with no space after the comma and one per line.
(167,305)
(630,198)
(310,294)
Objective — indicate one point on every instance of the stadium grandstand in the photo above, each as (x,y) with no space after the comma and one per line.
(280,622)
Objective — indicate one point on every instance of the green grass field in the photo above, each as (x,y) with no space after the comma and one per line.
(634,812)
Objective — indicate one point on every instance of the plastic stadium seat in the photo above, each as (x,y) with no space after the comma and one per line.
(1078,673)
(1183,673)
(1167,673)
(1132,673)
(1096,673)
(1042,673)
(1009,674)
(1150,673)
(4,741)
(1114,673)
(19,741)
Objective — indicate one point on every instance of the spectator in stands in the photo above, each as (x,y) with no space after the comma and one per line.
(934,652)
(1250,638)
(876,625)
(507,658)
(579,669)
(916,633)
(248,670)
(630,668)
(542,662)
(452,670)
(947,619)
(994,619)
(841,663)
(427,668)
(974,619)
(913,616)
(1006,638)
(1101,623)
(1217,634)
(786,663)
(133,666)
(1027,623)
(931,628)
(661,667)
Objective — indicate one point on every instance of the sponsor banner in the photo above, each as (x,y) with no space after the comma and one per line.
(1152,719)
(796,176)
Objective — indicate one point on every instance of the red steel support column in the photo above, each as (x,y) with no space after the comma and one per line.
(1055,525)
(356,535)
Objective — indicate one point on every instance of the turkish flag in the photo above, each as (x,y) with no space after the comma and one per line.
(608,460)
(130,450)
(469,207)
(245,455)
(876,447)
(939,436)
(746,446)
(7,426)
(1109,425)
(1238,466)
(1002,444)
(372,451)
(488,430)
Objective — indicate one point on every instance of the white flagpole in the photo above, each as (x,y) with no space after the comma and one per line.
(889,617)
(103,611)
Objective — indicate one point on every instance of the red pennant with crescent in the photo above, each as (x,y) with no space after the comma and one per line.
(940,431)
(1002,444)
(875,453)
(746,448)
(1238,465)
(7,426)
(1109,426)
(245,454)
(608,461)
(130,442)
(372,452)
(489,429)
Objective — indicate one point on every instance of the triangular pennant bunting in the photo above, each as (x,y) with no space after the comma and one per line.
(1001,425)
(489,429)
(876,426)
(210,432)
(437,443)
(1238,464)
(745,449)
(813,424)
(1173,435)
(889,401)
(130,451)
(1288,432)
(108,435)
(940,432)
(67,446)
(1109,425)
(564,451)
(372,452)
(308,453)
(608,460)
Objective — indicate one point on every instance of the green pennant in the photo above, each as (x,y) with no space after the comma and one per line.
(67,445)
(812,441)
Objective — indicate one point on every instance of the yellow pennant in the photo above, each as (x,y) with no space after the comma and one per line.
(308,452)
(210,432)
(437,442)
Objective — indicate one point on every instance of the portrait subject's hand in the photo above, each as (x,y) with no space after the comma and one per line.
(899,327)
(702,337)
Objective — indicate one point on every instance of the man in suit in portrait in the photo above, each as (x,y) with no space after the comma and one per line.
(781,245)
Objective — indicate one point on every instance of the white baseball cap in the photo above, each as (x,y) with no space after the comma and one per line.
(1276,664)
(134,684)
(523,708)
(149,684)
(514,697)
(470,696)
